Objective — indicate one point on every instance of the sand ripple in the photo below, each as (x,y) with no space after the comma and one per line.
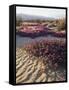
(30,69)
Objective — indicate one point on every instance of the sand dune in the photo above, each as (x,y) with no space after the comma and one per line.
(30,69)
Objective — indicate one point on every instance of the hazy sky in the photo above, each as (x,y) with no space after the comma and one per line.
(52,13)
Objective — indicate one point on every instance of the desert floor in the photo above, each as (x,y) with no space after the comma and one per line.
(32,69)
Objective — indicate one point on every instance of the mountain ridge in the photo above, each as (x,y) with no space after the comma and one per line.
(32,17)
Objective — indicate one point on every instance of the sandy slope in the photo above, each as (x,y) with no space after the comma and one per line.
(30,69)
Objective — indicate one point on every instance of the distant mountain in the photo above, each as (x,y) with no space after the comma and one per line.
(31,17)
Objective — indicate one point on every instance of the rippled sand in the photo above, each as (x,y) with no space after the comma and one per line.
(30,69)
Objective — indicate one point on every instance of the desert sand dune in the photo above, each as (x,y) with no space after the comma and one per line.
(31,69)
(28,68)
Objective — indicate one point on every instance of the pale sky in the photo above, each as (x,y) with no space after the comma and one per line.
(52,13)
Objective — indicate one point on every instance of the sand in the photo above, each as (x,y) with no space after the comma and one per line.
(31,69)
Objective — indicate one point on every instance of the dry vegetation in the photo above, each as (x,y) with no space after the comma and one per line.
(57,27)
(54,50)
